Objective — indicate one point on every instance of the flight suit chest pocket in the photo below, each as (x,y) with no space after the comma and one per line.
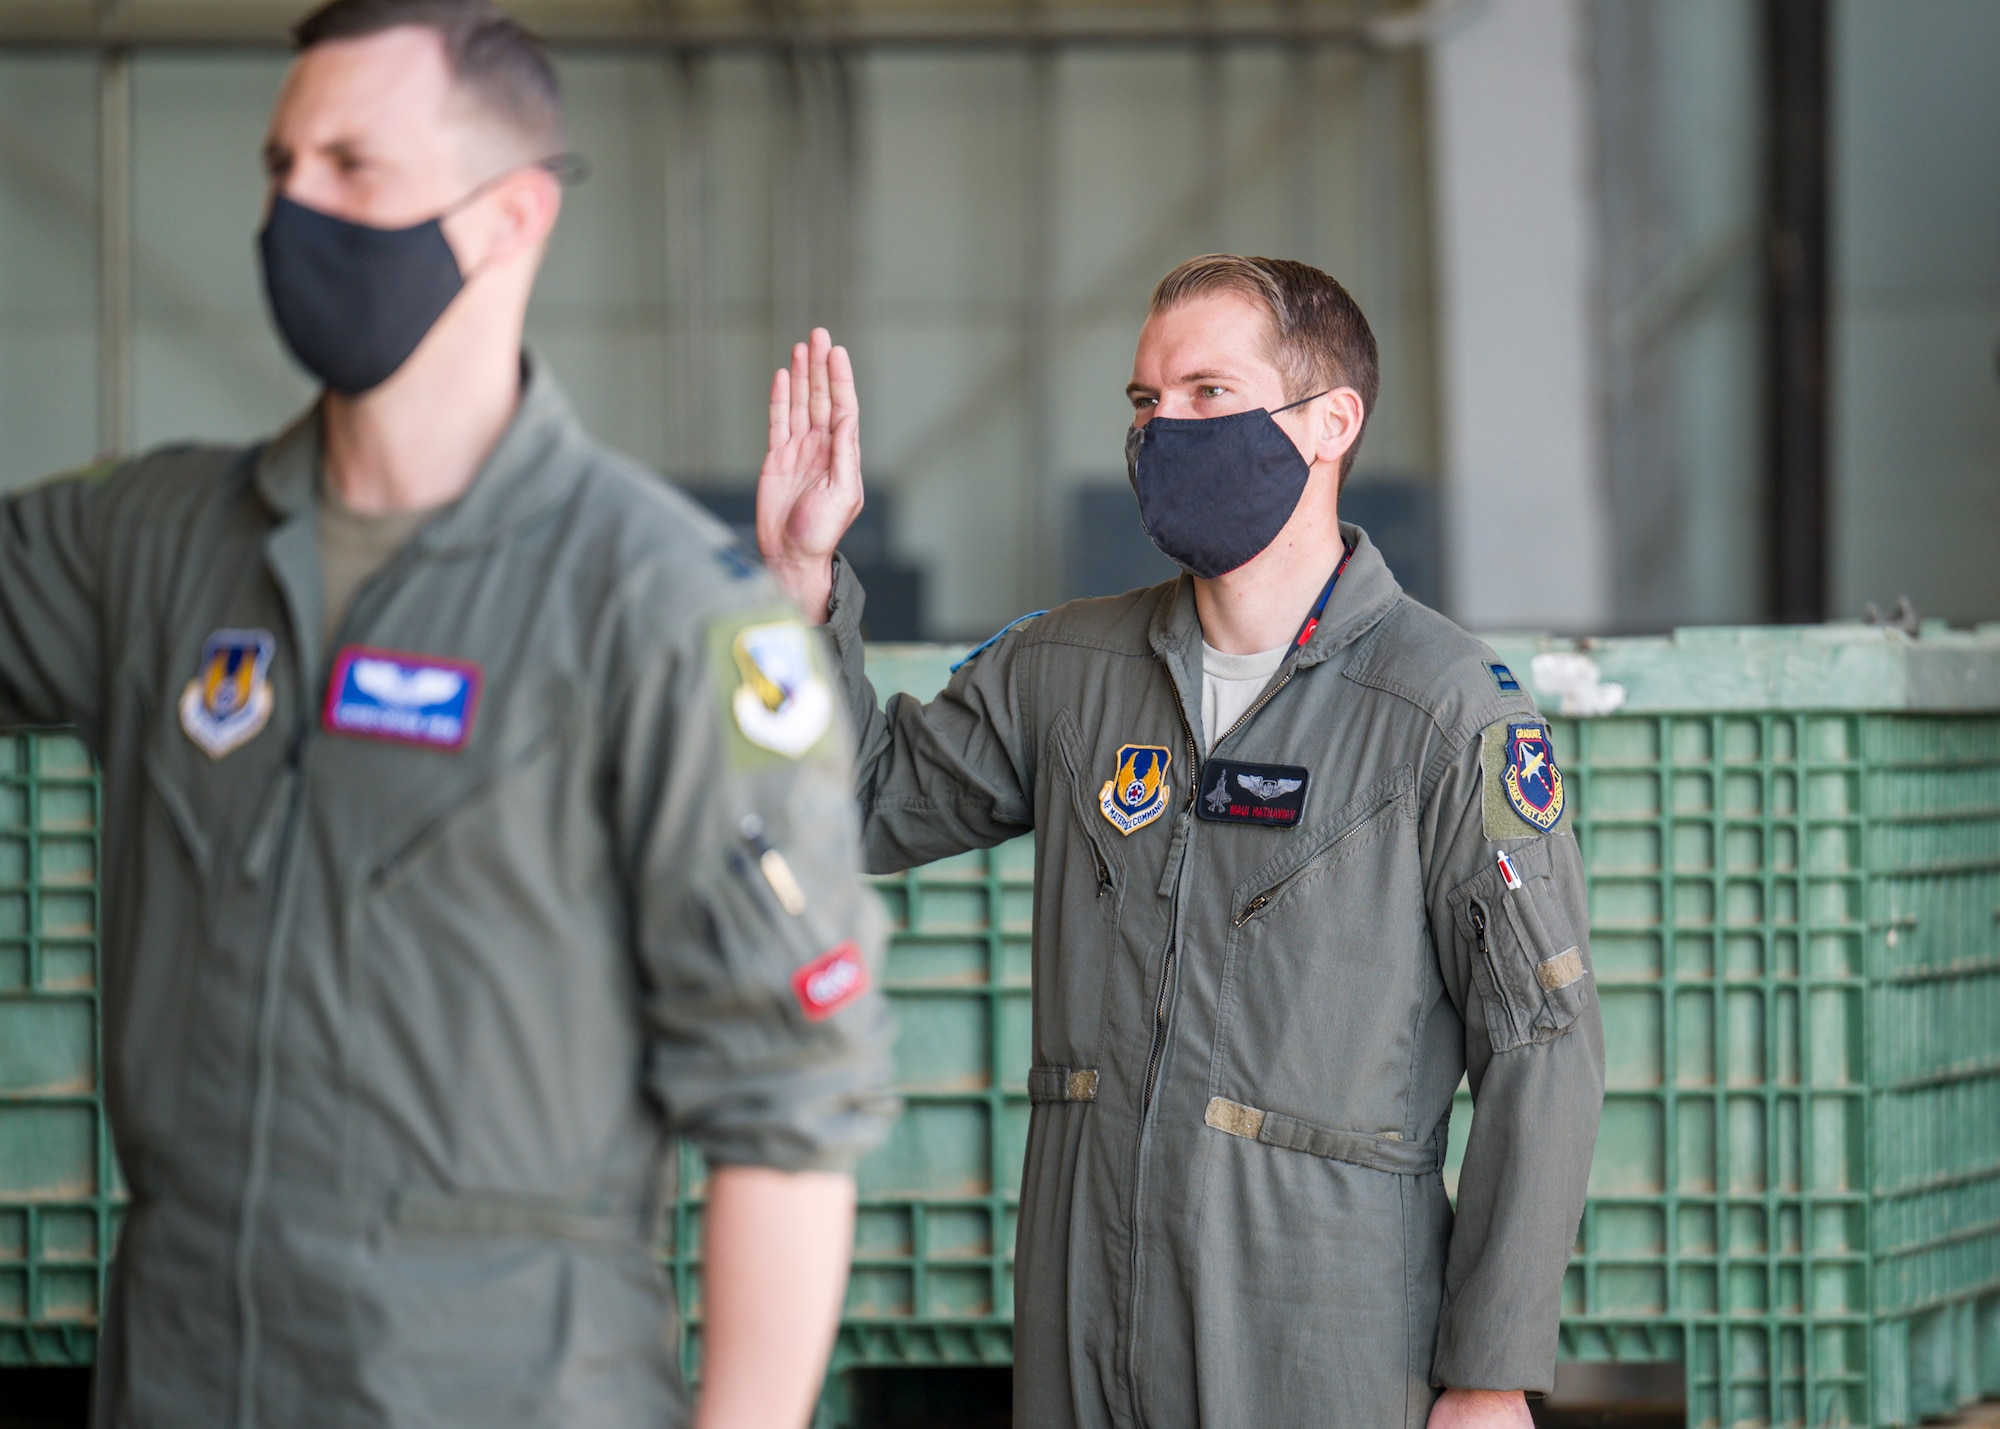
(1093,859)
(1530,965)
(1324,972)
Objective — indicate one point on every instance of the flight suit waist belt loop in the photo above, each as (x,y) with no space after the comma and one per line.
(1062,1084)
(477,1213)
(1386,1152)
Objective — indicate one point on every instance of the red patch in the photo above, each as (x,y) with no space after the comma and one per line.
(830,981)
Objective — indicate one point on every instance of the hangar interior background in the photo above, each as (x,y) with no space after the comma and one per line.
(1557,213)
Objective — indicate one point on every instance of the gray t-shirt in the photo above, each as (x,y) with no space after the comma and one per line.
(352,547)
(1230,684)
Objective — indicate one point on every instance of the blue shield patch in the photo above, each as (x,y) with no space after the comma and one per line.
(229,700)
(1534,784)
(1137,794)
(406,699)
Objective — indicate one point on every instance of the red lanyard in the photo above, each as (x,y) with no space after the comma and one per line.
(1319,609)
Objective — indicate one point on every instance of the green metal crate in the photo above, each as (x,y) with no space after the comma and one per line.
(1793,842)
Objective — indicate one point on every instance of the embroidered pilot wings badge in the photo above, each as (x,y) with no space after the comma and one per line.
(1267,789)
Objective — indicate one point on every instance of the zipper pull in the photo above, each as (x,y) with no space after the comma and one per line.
(1479,926)
(1252,908)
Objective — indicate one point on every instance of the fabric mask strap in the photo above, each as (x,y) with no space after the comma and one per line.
(569,170)
(1301,402)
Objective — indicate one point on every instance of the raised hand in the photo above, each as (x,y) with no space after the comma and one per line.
(809,490)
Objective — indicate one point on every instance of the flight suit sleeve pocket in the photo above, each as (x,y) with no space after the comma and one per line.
(1531,966)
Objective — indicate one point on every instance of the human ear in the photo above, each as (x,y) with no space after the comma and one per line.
(1339,425)
(519,215)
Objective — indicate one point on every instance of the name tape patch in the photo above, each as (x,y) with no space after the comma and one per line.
(1271,795)
(424,700)
(830,981)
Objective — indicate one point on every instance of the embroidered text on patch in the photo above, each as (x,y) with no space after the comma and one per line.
(830,981)
(404,698)
(782,705)
(229,701)
(1272,796)
(1137,794)
(1533,783)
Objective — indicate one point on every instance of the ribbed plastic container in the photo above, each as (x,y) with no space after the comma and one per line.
(59,1189)
(1793,843)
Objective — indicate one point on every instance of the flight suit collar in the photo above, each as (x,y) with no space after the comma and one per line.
(1363,596)
(532,466)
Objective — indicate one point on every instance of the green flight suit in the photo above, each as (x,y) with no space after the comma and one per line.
(396,1035)
(1246,1038)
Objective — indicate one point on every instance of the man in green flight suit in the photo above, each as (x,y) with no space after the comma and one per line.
(1301,863)
(477,818)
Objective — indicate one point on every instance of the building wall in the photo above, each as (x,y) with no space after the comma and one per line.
(1916,336)
(982,227)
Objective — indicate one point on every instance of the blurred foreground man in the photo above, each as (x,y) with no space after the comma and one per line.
(1302,861)
(476,819)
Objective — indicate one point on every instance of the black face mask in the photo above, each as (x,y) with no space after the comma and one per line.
(1215,491)
(353,301)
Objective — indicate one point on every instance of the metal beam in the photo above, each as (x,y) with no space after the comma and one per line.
(114,245)
(1796,52)
(581,24)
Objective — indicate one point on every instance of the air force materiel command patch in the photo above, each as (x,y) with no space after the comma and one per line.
(830,981)
(1137,794)
(1533,783)
(1271,795)
(782,705)
(229,701)
(403,698)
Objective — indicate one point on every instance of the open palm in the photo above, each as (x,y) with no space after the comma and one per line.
(809,490)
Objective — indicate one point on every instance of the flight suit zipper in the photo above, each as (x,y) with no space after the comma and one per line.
(1158,1049)
(277,961)
(1262,700)
(1154,1055)
(1263,900)
(263,1101)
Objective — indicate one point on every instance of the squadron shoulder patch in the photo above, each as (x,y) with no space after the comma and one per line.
(1533,783)
(783,704)
(1137,794)
(402,698)
(1521,791)
(229,701)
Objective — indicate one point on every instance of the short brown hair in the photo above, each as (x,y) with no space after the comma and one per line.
(1319,339)
(493,58)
